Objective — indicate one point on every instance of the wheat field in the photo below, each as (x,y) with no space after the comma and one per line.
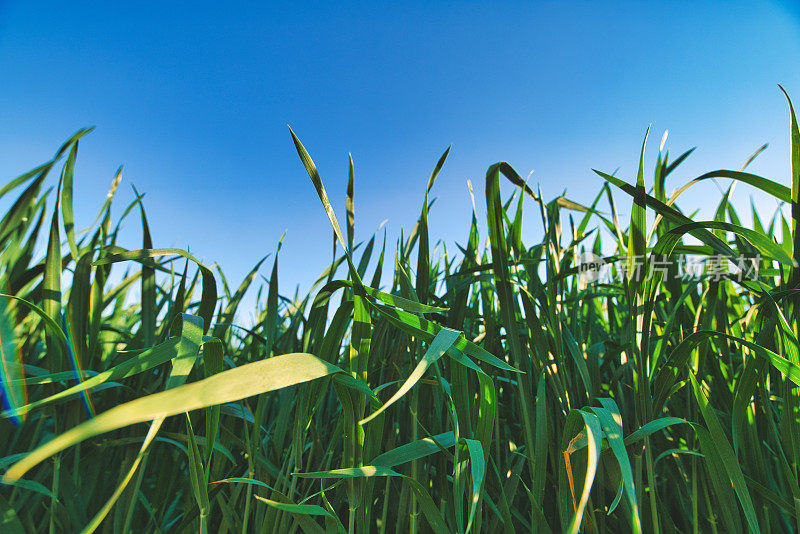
(494,386)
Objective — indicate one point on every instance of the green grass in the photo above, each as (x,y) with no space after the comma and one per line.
(484,389)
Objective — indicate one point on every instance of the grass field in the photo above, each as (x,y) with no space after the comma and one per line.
(495,387)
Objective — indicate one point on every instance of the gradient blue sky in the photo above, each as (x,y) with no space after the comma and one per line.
(194,100)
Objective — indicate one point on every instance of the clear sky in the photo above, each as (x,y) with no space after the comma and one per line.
(195,100)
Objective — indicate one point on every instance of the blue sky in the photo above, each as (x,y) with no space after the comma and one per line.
(195,102)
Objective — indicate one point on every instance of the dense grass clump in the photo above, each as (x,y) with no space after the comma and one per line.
(498,388)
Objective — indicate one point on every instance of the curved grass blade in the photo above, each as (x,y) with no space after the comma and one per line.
(208,300)
(611,421)
(235,384)
(594,435)
(441,343)
(415,450)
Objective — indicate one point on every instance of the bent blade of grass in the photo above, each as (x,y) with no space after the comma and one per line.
(444,340)
(208,299)
(594,435)
(611,421)
(311,168)
(779,191)
(21,179)
(235,384)
(669,213)
(415,450)
(762,242)
(427,330)
(188,334)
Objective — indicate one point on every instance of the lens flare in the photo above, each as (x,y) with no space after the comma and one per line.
(12,372)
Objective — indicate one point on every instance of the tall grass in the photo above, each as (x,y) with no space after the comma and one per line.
(493,388)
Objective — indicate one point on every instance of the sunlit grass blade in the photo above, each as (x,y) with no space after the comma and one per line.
(234,384)
(594,435)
